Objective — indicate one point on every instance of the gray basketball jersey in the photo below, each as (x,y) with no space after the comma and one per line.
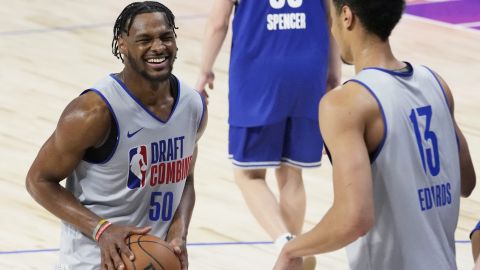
(142,182)
(416,176)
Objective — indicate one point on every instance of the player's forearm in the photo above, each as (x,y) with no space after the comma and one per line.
(335,231)
(214,36)
(60,202)
(183,215)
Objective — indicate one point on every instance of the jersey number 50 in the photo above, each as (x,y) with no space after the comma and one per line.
(431,154)
(161,206)
(277,4)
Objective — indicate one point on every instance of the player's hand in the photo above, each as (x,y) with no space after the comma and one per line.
(285,263)
(180,248)
(205,79)
(112,245)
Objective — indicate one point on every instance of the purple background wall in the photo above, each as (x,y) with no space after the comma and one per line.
(460,12)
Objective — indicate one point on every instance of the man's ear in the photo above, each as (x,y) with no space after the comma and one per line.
(122,45)
(348,17)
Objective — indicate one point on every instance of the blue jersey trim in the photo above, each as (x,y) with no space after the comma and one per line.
(255,164)
(458,141)
(394,72)
(203,110)
(301,165)
(124,87)
(475,229)
(446,100)
(441,86)
(116,124)
(380,147)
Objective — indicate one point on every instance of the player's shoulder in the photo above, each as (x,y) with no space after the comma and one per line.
(188,93)
(350,94)
(185,87)
(85,121)
(89,107)
(445,88)
(91,102)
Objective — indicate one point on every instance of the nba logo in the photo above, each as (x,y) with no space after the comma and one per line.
(137,167)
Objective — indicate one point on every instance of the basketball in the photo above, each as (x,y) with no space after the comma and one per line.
(151,253)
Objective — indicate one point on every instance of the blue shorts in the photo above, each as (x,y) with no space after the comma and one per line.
(295,141)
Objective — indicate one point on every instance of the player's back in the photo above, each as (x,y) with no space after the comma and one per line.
(416,175)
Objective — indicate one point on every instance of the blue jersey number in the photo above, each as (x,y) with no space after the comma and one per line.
(277,4)
(161,206)
(429,155)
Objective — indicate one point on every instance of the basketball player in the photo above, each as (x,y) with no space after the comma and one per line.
(282,61)
(400,162)
(127,147)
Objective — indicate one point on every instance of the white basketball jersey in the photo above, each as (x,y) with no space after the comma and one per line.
(142,182)
(416,176)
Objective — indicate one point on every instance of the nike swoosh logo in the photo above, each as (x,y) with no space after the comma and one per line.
(129,135)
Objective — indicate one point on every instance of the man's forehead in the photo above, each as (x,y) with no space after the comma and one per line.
(151,19)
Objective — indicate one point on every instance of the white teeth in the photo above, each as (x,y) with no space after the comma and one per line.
(156,60)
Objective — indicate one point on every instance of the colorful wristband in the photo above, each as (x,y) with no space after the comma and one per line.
(102,229)
(99,224)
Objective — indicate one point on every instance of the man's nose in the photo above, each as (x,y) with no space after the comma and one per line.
(158,45)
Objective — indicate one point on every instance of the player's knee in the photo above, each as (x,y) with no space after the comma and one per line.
(246,175)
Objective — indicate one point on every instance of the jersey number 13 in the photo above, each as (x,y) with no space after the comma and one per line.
(429,155)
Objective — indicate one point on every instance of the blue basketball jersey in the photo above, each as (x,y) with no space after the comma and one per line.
(279,61)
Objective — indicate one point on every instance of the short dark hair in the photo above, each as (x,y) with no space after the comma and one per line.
(125,20)
(377,16)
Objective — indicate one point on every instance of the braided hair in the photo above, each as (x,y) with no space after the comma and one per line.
(125,20)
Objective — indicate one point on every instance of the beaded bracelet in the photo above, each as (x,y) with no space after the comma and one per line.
(102,229)
(99,224)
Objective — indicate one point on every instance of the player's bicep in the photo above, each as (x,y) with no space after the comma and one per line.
(352,177)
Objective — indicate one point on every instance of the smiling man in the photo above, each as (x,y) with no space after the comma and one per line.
(127,147)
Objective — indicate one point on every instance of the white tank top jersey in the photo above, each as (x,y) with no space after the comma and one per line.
(142,182)
(416,175)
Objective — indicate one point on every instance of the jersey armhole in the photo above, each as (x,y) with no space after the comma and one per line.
(373,156)
(103,153)
(446,100)
(440,85)
(203,110)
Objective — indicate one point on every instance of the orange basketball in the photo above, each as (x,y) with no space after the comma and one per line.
(151,253)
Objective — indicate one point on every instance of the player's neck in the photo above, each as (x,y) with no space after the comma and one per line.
(148,92)
(373,52)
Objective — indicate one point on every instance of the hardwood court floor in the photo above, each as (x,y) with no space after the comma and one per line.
(51,50)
